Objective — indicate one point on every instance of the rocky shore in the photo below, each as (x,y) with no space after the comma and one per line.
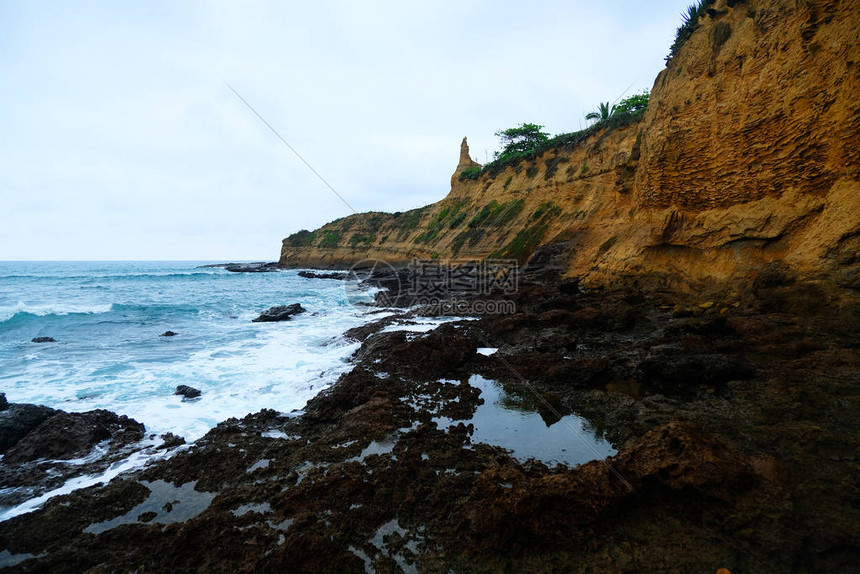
(735,424)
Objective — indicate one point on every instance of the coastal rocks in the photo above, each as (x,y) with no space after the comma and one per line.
(187,392)
(280,313)
(255,267)
(63,446)
(668,372)
(168,334)
(170,441)
(16,420)
(376,469)
(258,267)
(43,340)
(315,275)
(71,435)
(440,353)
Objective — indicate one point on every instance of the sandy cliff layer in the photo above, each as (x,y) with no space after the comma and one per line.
(748,158)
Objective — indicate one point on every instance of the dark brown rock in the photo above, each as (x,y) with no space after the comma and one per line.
(280,313)
(73,435)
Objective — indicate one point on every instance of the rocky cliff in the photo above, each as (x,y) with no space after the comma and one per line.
(747,159)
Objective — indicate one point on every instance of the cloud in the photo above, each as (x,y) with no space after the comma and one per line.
(122,142)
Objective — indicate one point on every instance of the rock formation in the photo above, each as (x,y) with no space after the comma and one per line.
(746,158)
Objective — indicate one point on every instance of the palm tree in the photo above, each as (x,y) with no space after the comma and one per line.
(604,110)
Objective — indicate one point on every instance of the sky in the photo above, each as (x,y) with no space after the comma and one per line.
(120,139)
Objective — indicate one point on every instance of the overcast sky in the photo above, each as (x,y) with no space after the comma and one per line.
(121,141)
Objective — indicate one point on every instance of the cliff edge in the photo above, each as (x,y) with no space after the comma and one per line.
(746,160)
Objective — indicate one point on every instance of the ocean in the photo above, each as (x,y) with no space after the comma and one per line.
(107,318)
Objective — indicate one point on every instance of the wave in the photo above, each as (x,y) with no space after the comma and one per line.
(23,310)
(153,309)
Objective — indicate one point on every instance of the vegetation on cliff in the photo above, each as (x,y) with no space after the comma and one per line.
(737,149)
(530,145)
(691,23)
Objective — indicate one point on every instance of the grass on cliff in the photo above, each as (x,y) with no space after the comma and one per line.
(691,22)
(529,238)
(568,141)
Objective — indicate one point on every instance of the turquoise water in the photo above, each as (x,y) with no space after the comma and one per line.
(107,318)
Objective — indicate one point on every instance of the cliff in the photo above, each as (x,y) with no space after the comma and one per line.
(748,158)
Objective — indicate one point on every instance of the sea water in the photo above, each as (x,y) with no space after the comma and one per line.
(108,318)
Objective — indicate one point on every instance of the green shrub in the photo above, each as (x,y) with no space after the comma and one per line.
(686,29)
(406,222)
(427,236)
(546,210)
(457,220)
(566,141)
(524,244)
(330,238)
(365,238)
(301,238)
(470,173)
(635,104)
(496,214)
(521,139)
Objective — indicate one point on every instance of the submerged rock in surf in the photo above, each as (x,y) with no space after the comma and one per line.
(187,392)
(280,313)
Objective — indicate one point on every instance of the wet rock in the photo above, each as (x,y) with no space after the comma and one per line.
(4,404)
(73,435)
(170,441)
(315,275)
(362,332)
(440,353)
(279,313)
(43,340)
(169,334)
(254,267)
(678,373)
(187,392)
(16,420)
(378,346)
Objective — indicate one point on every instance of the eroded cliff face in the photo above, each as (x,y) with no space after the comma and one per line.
(748,158)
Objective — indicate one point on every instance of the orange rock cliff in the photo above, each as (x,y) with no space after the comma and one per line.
(747,158)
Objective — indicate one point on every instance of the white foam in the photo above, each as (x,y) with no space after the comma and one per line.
(42,309)
(135,461)
(282,367)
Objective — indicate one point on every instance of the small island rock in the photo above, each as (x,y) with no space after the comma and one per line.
(187,392)
(280,313)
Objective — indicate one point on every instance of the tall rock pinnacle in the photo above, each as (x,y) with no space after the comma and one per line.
(465,160)
(465,163)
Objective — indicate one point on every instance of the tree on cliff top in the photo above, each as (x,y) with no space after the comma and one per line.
(521,139)
(603,112)
(633,105)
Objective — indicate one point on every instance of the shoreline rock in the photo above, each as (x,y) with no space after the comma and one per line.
(55,446)
(314,275)
(279,313)
(743,458)
(187,392)
(254,267)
